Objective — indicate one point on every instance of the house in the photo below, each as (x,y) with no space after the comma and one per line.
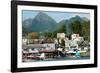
(71,44)
(61,35)
(24,40)
(76,37)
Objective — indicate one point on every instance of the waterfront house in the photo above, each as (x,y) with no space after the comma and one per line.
(61,35)
(76,37)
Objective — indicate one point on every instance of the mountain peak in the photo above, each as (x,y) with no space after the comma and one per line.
(42,22)
(77,16)
(40,15)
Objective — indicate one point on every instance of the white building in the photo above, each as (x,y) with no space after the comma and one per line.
(76,37)
(24,40)
(61,35)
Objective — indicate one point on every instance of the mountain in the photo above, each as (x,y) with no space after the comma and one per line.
(85,19)
(76,18)
(42,23)
(63,22)
(69,21)
(72,20)
(27,22)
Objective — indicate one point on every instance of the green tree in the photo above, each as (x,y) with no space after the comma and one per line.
(33,35)
(76,27)
(86,30)
(24,31)
(62,29)
(48,34)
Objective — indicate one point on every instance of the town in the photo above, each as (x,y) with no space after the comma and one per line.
(63,47)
